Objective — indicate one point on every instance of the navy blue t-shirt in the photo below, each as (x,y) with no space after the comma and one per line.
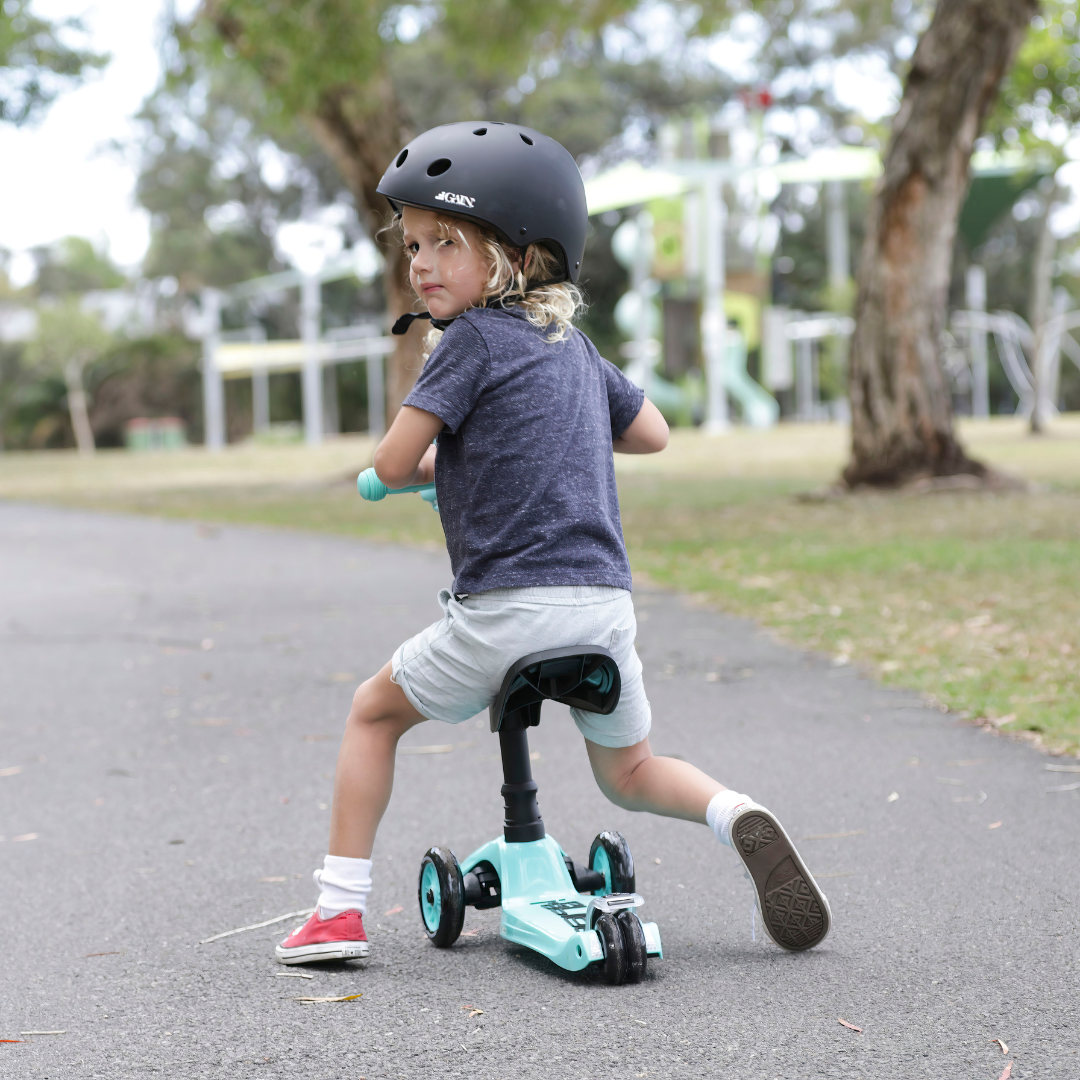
(524,470)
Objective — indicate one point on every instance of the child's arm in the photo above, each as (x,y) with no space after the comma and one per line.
(405,456)
(647,433)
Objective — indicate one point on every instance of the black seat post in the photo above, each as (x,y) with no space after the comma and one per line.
(522,821)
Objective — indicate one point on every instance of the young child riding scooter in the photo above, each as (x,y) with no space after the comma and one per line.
(525,416)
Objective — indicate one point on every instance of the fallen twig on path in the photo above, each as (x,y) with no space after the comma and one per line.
(324,1000)
(257,926)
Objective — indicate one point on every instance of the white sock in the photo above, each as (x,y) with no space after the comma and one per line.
(722,808)
(344,885)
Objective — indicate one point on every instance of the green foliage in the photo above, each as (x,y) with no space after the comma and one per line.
(73,265)
(37,60)
(66,334)
(1039,104)
(208,133)
(151,376)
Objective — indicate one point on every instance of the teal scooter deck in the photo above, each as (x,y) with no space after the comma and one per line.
(541,908)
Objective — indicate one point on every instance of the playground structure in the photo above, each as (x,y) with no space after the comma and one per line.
(247,354)
(1031,360)
(678,220)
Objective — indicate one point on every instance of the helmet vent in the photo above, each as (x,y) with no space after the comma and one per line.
(401,158)
(438,167)
(526,139)
(480,131)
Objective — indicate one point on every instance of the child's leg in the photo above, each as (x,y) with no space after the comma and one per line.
(380,715)
(794,911)
(631,777)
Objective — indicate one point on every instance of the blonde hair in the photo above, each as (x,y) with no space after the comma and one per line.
(542,304)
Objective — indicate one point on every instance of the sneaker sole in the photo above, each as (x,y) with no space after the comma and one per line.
(331,950)
(793,909)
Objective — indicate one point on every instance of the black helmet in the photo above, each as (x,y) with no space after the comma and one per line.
(523,184)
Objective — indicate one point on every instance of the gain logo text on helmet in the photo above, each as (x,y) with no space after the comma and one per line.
(522,184)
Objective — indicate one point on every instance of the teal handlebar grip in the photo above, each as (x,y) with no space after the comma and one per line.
(373,489)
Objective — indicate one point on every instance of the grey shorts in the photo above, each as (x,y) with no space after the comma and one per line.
(452,670)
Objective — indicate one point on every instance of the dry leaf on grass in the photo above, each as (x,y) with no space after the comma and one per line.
(394,910)
(324,1000)
(1001,1043)
(1006,1072)
(841,1020)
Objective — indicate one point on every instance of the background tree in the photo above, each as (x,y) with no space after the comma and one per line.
(902,424)
(38,60)
(353,71)
(67,340)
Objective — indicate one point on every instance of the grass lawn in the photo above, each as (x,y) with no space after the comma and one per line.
(971,598)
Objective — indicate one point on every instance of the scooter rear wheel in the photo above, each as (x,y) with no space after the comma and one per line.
(611,940)
(610,856)
(633,936)
(441,892)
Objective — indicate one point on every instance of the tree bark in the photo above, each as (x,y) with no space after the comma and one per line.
(362,135)
(76,399)
(901,412)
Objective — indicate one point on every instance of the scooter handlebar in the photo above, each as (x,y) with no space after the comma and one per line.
(373,489)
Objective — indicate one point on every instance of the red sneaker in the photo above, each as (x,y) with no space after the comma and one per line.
(339,938)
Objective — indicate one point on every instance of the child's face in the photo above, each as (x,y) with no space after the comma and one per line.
(446,269)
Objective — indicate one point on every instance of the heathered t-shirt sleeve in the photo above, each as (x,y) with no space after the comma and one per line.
(624,398)
(453,376)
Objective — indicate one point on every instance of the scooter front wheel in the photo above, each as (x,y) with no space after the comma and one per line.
(441,892)
(637,957)
(611,940)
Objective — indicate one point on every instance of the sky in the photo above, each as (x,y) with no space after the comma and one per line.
(58,177)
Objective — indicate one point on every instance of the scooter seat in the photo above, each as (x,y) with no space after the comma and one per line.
(584,677)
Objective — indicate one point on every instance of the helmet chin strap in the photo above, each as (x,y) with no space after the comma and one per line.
(401,326)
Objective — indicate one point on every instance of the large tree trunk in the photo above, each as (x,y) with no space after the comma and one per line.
(362,134)
(362,129)
(901,413)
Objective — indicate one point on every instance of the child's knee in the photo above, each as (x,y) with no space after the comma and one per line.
(367,704)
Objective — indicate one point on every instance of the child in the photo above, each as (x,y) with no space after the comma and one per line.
(525,414)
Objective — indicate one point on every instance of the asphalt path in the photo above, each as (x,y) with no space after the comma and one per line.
(171,697)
